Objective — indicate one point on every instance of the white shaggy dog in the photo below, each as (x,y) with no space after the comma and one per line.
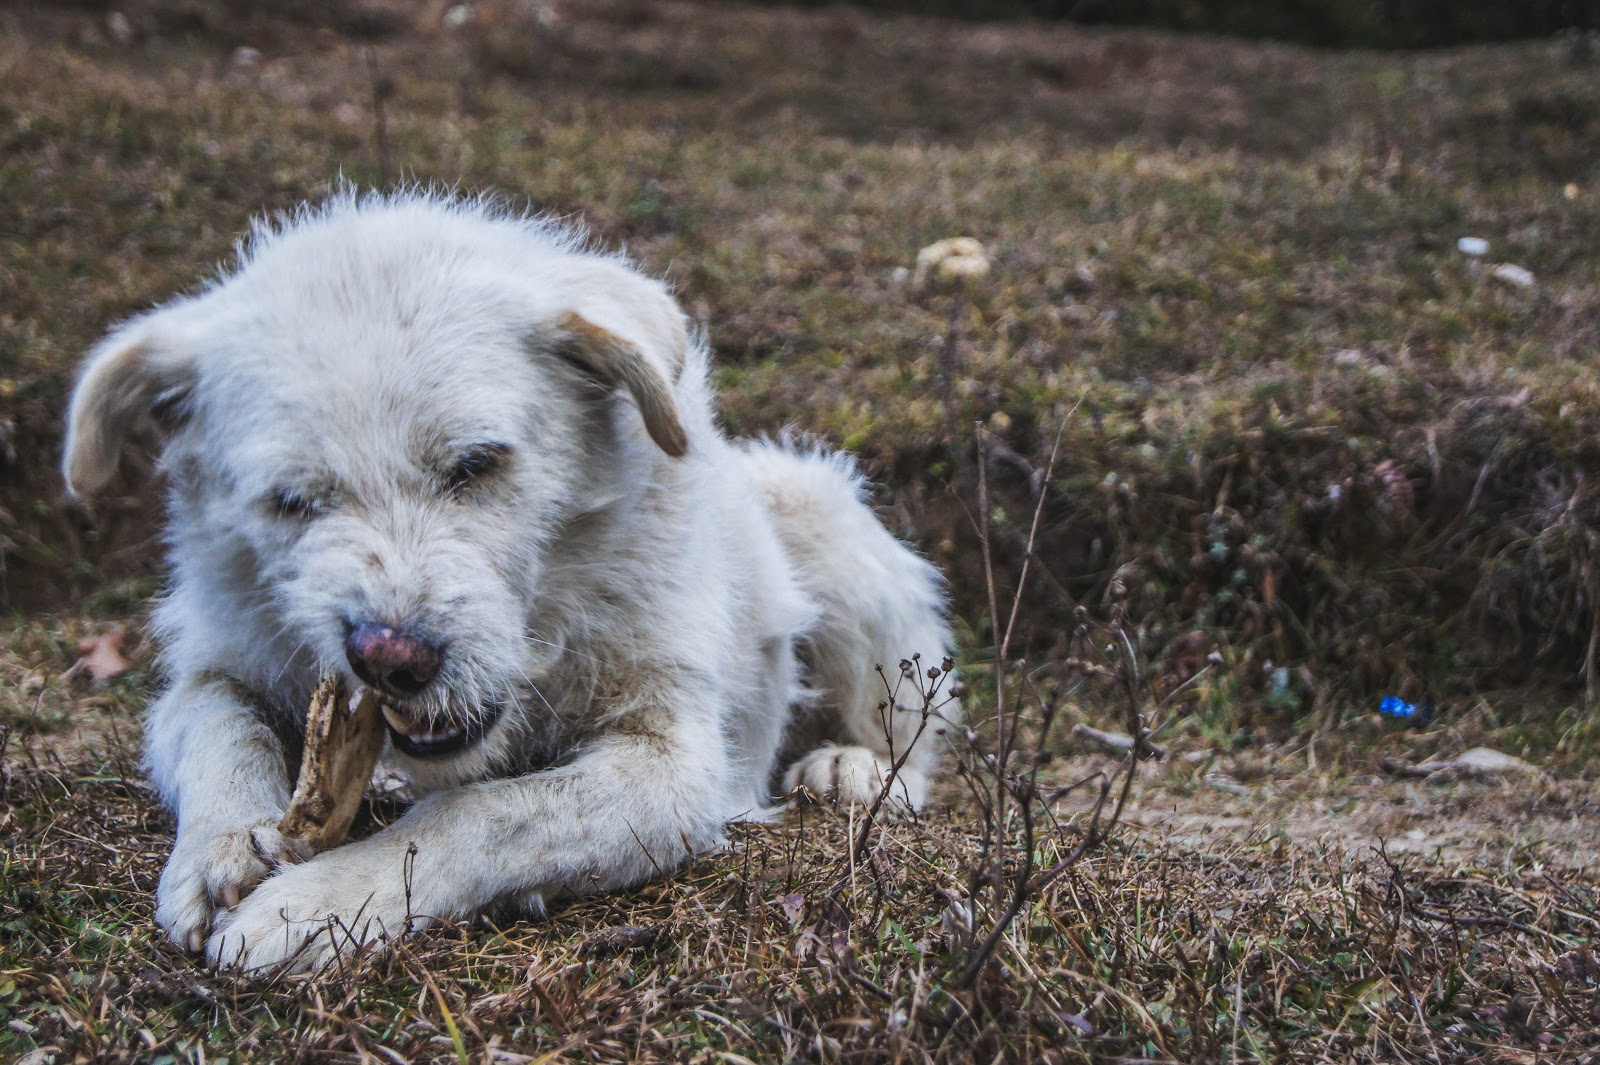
(459,456)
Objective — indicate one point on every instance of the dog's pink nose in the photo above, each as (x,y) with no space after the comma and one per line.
(397,660)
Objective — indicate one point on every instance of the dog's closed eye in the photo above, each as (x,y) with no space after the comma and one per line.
(475,465)
(293,504)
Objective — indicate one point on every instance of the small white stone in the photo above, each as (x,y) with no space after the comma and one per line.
(1487,760)
(458,16)
(955,261)
(1473,246)
(1348,357)
(1480,762)
(1513,275)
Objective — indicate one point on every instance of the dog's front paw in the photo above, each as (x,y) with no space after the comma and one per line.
(214,870)
(303,916)
(850,775)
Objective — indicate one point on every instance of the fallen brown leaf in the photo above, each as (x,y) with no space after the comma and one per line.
(101,656)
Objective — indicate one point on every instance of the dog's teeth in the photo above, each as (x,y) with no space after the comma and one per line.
(414,732)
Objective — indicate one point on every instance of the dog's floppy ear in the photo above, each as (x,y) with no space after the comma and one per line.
(139,369)
(631,335)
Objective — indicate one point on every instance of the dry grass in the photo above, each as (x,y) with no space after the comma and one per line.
(783,948)
(1302,440)
(1022,919)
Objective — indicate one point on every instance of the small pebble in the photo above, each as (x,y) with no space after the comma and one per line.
(1473,246)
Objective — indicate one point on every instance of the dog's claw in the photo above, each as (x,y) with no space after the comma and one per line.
(209,875)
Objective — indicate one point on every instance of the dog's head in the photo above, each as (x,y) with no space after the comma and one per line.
(379,430)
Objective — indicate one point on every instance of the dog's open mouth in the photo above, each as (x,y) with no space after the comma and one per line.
(434,738)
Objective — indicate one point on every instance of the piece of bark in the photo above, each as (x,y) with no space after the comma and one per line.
(342,747)
(1119,742)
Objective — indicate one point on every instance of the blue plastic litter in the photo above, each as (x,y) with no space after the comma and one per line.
(1412,713)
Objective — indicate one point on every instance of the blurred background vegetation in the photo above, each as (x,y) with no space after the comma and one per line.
(1302,434)
(1326,23)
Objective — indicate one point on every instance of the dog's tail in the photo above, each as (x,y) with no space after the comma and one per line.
(881,629)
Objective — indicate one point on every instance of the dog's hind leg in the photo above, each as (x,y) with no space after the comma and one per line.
(876,654)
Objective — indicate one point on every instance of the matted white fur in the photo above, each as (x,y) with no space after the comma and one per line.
(432,415)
